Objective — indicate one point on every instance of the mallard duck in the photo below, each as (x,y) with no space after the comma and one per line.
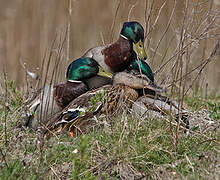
(86,74)
(138,75)
(82,74)
(94,68)
(115,57)
(109,99)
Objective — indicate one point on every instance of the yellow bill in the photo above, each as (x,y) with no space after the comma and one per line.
(104,73)
(139,46)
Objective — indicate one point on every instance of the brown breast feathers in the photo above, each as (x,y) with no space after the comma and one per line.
(66,92)
(118,55)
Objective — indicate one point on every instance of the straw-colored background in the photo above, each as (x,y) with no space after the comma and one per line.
(28,27)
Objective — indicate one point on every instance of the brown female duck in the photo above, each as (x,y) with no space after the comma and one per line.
(109,99)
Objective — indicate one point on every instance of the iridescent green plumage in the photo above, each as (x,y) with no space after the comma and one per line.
(82,68)
(143,67)
(82,74)
(133,31)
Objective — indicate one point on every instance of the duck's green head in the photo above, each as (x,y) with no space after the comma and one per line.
(142,67)
(84,68)
(134,32)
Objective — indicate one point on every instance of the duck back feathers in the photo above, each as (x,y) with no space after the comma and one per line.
(64,93)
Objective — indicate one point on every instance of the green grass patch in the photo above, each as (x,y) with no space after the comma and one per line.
(128,147)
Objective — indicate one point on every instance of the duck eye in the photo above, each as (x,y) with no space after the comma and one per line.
(140,45)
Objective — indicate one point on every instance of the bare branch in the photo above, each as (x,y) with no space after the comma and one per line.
(113,24)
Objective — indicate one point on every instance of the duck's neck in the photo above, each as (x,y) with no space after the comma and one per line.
(124,41)
(73,82)
(123,37)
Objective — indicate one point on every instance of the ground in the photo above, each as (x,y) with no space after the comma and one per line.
(121,147)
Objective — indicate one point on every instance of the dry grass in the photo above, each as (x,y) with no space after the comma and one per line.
(182,41)
(29,27)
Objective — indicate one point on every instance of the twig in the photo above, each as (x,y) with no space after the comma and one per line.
(47,70)
(207,140)
(165,53)
(50,131)
(94,167)
(5,107)
(190,164)
(193,132)
(147,18)
(173,56)
(164,33)
(113,24)
(179,69)
(157,18)
(215,50)
(102,38)
(68,32)
(54,75)
(4,157)
(55,173)
(132,7)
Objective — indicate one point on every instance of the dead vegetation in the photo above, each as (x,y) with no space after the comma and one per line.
(127,146)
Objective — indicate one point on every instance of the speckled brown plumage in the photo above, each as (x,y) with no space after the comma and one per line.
(64,93)
(119,54)
(118,98)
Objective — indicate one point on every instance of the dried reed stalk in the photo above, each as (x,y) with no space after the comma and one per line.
(113,24)
(5,105)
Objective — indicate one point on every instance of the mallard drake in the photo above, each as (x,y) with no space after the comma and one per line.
(82,74)
(115,57)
